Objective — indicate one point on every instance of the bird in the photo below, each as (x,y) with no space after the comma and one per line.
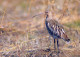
(55,30)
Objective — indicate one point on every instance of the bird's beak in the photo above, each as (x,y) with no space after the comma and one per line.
(37,15)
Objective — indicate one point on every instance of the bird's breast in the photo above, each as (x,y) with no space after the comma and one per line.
(51,31)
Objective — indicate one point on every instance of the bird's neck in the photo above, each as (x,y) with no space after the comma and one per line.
(47,17)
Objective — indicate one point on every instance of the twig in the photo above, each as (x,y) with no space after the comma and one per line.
(3,17)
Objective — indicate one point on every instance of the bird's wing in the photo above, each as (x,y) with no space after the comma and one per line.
(56,28)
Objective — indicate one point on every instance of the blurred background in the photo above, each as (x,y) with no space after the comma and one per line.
(21,35)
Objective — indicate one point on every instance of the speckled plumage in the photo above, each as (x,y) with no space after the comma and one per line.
(55,29)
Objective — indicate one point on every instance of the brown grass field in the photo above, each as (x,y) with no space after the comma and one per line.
(21,35)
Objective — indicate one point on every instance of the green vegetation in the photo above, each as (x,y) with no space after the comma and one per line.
(75,24)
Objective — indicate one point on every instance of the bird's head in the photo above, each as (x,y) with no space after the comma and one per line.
(48,14)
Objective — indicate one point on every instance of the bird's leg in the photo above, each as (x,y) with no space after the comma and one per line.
(50,41)
(58,46)
(54,45)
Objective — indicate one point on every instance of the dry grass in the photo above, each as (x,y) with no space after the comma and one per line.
(24,36)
